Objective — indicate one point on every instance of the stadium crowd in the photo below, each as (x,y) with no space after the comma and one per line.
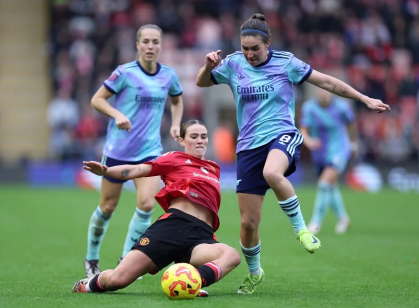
(372,44)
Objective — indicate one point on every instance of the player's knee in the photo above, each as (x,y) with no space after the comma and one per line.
(233,256)
(249,223)
(146,204)
(273,177)
(108,206)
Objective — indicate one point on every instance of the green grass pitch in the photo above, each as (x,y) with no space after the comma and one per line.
(43,244)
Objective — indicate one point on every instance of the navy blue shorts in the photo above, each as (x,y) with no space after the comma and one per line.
(110,162)
(250,163)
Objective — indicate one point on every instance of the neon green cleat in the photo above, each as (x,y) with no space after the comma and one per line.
(309,241)
(249,284)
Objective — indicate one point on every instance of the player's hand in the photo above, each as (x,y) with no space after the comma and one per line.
(95,167)
(175,132)
(123,123)
(212,59)
(375,104)
(313,143)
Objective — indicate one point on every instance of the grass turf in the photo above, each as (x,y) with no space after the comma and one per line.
(43,244)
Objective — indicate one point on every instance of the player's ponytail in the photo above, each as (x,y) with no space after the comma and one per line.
(256,26)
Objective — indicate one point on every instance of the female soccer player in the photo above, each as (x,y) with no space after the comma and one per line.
(191,199)
(141,88)
(269,144)
(329,129)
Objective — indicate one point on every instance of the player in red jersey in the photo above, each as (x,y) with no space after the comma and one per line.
(185,233)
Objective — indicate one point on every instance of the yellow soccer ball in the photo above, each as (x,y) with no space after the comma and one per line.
(181,281)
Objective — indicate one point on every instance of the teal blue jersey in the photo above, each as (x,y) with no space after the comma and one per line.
(263,94)
(141,97)
(330,126)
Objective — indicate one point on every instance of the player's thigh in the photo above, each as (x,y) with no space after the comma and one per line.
(109,193)
(277,162)
(133,265)
(147,188)
(204,253)
(330,174)
(250,206)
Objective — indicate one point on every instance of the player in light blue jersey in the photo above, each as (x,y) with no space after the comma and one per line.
(141,89)
(329,129)
(269,144)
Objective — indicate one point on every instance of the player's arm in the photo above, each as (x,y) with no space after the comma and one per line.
(176,109)
(100,103)
(212,60)
(121,172)
(309,142)
(341,88)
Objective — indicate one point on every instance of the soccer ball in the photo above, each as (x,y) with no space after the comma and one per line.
(181,281)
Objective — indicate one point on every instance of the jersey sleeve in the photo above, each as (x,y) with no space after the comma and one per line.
(175,88)
(116,82)
(298,71)
(305,118)
(162,164)
(221,74)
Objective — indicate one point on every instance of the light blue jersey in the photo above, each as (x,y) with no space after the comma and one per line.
(330,126)
(141,97)
(263,95)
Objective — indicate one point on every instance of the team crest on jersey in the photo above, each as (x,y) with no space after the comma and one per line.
(113,77)
(144,241)
(204,170)
(272,76)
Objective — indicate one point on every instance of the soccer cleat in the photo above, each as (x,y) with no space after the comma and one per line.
(342,225)
(249,284)
(80,286)
(202,293)
(91,267)
(119,261)
(314,227)
(309,241)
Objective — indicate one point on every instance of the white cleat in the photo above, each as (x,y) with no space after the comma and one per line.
(314,227)
(342,225)
(91,267)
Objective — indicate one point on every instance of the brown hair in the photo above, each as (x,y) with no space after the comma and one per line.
(149,26)
(187,124)
(256,25)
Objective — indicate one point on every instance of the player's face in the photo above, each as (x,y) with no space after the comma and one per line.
(254,49)
(196,140)
(149,45)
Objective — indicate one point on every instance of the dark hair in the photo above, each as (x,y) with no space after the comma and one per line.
(256,25)
(187,124)
(149,26)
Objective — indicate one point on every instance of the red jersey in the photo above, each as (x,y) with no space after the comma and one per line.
(190,177)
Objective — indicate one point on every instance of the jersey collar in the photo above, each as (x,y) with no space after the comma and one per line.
(267,60)
(147,73)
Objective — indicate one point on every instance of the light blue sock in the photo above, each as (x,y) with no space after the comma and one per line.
(140,221)
(97,228)
(252,257)
(338,206)
(291,208)
(323,200)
